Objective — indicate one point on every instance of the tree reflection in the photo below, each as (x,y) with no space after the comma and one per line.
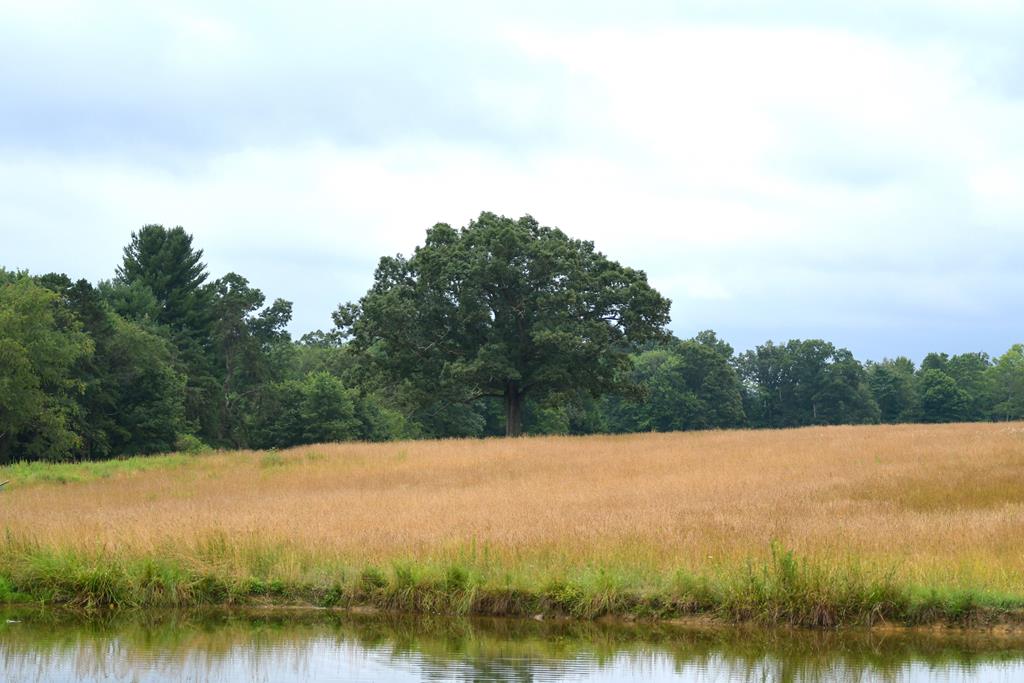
(43,645)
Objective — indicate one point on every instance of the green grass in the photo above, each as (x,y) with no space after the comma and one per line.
(29,473)
(783,590)
(272,459)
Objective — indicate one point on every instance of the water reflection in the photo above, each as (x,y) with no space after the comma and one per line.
(298,646)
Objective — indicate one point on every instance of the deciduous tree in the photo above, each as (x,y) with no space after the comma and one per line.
(40,342)
(504,308)
(1008,381)
(687,385)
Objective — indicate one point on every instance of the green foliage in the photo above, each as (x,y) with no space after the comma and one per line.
(189,443)
(133,301)
(963,387)
(147,391)
(935,361)
(892,385)
(503,308)
(687,385)
(315,409)
(164,262)
(941,399)
(1008,384)
(133,398)
(250,351)
(489,329)
(227,345)
(804,383)
(971,373)
(40,343)
(709,339)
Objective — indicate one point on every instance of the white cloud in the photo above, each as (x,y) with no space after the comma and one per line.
(814,173)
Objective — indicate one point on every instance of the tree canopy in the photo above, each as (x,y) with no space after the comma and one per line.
(686,385)
(806,382)
(504,308)
(499,327)
(164,261)
(40,344)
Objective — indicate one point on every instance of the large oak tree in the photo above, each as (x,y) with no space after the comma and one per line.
(504,308)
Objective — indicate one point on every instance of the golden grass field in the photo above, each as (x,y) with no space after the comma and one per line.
(815,525)
(936,505)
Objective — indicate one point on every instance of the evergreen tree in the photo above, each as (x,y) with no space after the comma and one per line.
(133,397)
(164,262)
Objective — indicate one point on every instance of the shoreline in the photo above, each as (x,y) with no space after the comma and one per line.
(1006,631)
(781,591)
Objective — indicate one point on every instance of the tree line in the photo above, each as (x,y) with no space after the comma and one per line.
(501,327)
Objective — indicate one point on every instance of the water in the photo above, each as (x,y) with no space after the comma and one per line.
(44,646)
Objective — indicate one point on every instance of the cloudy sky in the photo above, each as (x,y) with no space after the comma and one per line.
(848,172)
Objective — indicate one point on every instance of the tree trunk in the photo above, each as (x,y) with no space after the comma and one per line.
(513,409)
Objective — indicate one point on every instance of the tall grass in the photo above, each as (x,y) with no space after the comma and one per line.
(816,527)
(781,590)
(28,473)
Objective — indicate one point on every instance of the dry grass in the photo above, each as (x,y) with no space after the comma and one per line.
(922,495)
(936,505)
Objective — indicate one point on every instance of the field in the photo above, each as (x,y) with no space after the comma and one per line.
(816,526)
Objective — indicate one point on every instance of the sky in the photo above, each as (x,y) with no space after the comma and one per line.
(852,171)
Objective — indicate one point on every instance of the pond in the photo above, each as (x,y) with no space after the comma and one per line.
(277,646)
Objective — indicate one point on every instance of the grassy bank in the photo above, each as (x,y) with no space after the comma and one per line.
(782,590)
(812,527)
